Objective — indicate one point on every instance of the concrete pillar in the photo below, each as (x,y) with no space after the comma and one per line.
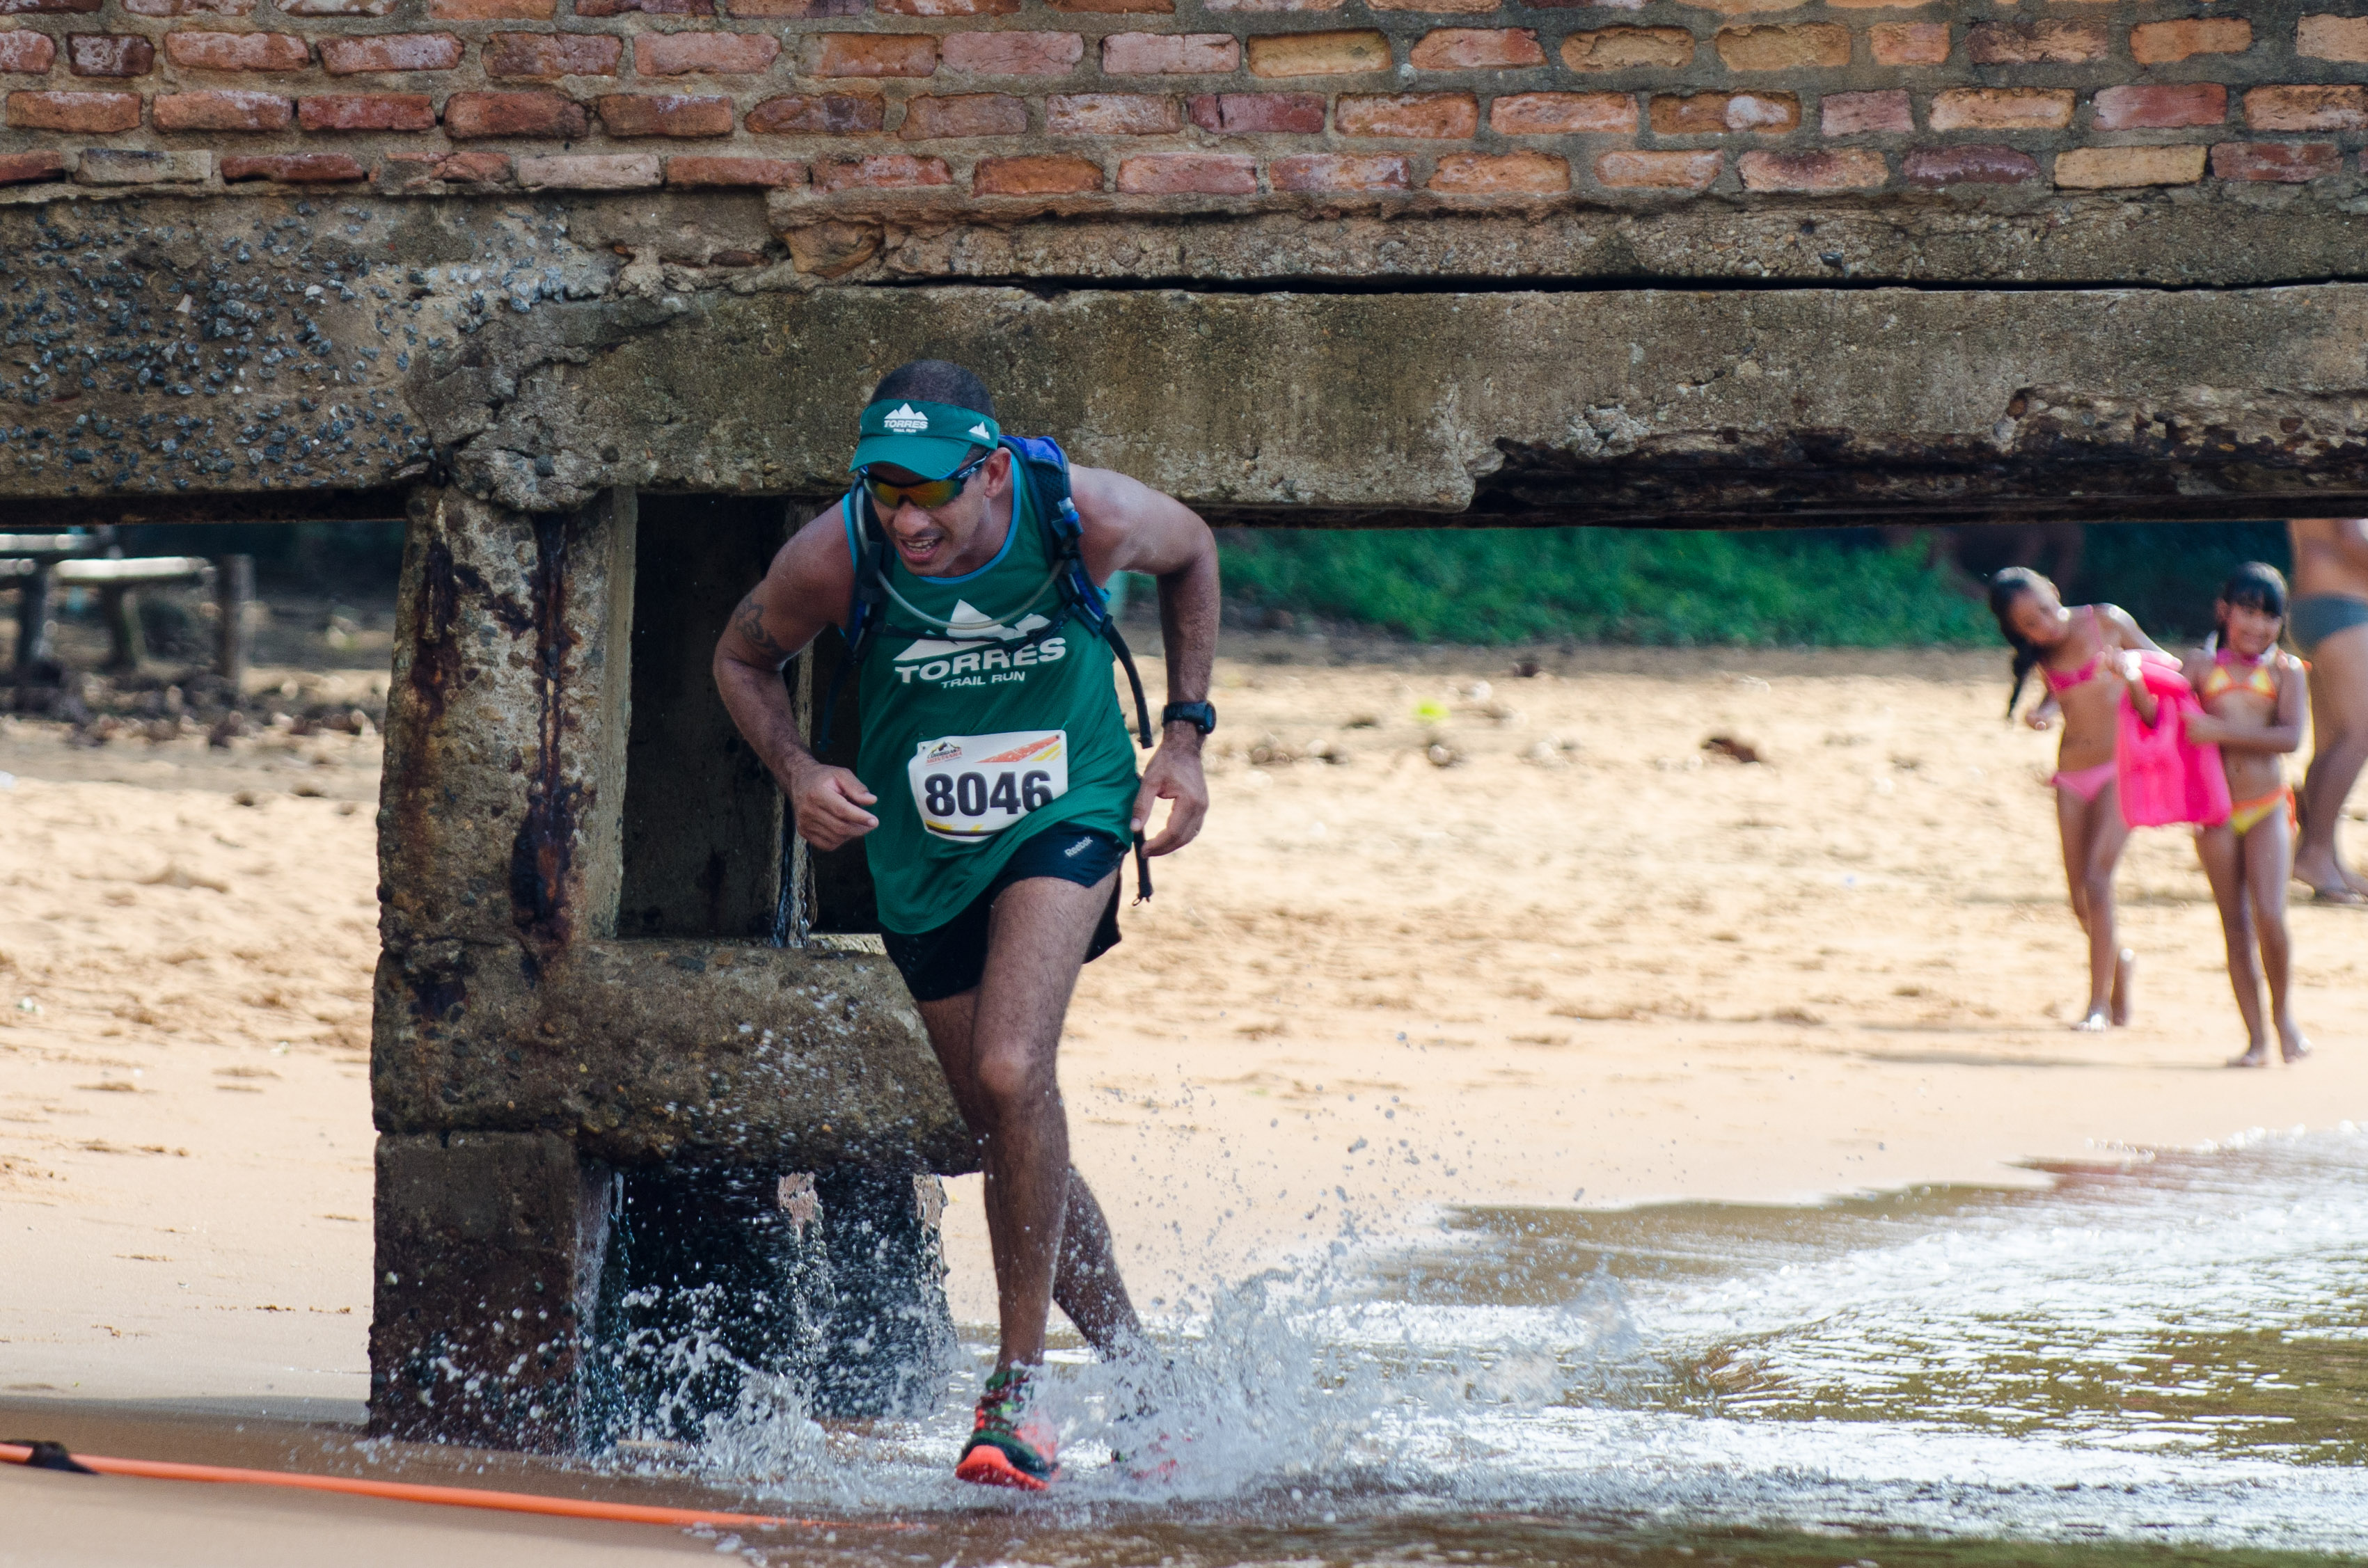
(488,1273)
(497,852)
(506,725)
(891,1338)
(737,1290)
(534,1076)
(234,620)
(37,662)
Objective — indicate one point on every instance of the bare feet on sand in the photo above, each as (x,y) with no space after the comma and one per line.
(2114,1012)
(2292,1047)
(2329,881)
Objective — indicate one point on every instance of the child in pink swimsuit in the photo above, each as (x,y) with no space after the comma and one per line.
(2080,654)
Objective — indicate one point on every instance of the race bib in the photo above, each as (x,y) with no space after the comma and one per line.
(970,787)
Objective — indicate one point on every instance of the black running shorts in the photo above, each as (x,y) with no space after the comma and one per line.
(948,959)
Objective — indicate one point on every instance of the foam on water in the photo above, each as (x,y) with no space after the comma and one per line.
(2175,1354)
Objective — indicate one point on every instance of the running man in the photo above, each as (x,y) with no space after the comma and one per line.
(995,794)
(2329,623)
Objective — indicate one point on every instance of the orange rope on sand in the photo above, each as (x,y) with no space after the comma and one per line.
(446,1496)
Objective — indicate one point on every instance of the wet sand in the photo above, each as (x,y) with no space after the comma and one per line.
(1525,945)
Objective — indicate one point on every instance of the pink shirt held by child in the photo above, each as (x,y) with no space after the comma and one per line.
(2165,778)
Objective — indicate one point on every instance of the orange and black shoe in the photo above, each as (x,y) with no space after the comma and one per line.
(1012,1444)
(1146,1456)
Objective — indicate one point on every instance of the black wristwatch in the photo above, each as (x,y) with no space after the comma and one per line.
(1200,715)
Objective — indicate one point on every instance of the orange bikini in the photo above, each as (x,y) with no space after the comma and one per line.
(2247,816)
(2259,677)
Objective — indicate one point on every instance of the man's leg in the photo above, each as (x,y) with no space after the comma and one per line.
(1088,1288)
(998,1045)
(2339,719)
(1085,1285)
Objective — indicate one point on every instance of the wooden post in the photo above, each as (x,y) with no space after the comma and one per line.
(234,592)
(34,658)
(125,646)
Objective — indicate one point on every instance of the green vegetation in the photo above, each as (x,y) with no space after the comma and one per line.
(1834,588)
(1826,587)
(1610,586)
(2165,574)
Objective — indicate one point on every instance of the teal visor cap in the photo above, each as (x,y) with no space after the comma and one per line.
(929,441)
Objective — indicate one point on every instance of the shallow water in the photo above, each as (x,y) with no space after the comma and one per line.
(2150,1360)
(2156,1359)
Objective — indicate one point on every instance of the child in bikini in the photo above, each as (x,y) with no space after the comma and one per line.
(2254,698)
(2087,657)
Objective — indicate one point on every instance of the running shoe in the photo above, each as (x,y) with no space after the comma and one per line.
(1011,1443)
(1144,1452)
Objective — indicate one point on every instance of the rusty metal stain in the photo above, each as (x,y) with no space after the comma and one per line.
(544,851)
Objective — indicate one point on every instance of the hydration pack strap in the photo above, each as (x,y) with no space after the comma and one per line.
(1044,465)
(1047,468)
(863,610)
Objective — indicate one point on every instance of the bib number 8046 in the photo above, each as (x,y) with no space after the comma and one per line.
(969,786)
(970,795)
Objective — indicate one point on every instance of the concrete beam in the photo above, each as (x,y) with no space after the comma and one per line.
(1643,406)
(653,1051)
(1709,365)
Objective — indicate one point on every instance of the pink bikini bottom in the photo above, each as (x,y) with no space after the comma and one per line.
(2088,783)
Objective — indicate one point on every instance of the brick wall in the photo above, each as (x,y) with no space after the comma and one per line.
(1012,104)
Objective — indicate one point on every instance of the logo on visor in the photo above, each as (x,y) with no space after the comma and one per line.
(983,433)
(906,420)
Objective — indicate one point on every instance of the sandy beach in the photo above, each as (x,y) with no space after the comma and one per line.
(1454,936)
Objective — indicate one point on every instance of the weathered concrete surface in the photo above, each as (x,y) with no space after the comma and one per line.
(506,725)
(1757,406)
(503,1001)
(650,1050)
(2233,237)
(532,1075)
(488,1276)
(542,350)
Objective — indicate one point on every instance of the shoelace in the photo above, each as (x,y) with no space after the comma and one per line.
(1000,1407)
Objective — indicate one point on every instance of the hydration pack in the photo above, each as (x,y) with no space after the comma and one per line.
(1043,467)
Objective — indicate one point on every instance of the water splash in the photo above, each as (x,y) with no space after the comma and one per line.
(2169,1354)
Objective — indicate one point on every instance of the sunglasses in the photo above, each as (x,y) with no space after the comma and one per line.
(928,495)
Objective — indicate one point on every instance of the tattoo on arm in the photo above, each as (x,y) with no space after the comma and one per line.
(748,620)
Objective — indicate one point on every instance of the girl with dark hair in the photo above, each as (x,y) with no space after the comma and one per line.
(2087,656)
(2254,697)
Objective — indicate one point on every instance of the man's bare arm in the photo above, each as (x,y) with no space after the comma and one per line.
(806,588)
(2350,538)
(1131,527)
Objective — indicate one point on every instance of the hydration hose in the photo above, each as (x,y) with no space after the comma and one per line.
(53,1456)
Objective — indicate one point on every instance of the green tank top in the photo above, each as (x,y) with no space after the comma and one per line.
(978,739)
